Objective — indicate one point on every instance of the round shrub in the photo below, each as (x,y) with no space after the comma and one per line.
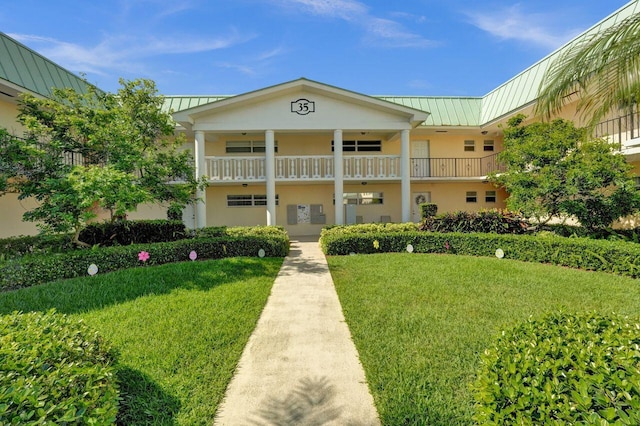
(54,370)
(562,369)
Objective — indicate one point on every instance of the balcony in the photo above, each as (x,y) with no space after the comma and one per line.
(423,168)
(355,167)
(303,168)
(623,132)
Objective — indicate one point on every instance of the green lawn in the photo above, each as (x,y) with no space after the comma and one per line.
(420,321)
(180,329)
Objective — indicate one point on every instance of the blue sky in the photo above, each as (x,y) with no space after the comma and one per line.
(376,47)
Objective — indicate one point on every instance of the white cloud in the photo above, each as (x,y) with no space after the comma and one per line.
(379,31)
(343,9)
(254,64)
(243,69)
(394,34)
(511,23)
(124,52)
(410,17)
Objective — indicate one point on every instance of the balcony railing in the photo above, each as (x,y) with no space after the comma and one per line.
(300,168)
(454,167)
(319,167)
(620,130)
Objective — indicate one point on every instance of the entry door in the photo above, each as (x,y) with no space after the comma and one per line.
(417,199)
(420,159)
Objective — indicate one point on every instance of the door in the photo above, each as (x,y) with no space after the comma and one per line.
(417,199)
(420,159)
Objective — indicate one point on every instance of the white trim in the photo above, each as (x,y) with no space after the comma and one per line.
(270,168)
(201,202)
(338,165)
(405,167)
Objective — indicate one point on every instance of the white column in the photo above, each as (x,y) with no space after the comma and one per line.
(201,203)
(338,168)
(270,171)
(405,168)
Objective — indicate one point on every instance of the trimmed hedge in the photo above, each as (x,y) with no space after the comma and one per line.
(562,369)
(37,269)
(55,370)
(31,244)
(366,228)
(126,232)
(598,255)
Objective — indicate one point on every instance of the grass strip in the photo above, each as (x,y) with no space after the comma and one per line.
(180,329)
(420,321)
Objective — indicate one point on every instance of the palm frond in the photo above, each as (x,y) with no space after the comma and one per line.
(601,68)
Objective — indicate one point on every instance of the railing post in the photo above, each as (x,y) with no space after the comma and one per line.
(338,186)
(201,203)
(270,176)
(405,180)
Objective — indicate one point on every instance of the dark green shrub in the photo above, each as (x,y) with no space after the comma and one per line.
(54,370)
(174,213)
(19,246)
(598,255)
(497,221)
(37,269)
(125,232)
(428,210)
(562,369)
(210,232)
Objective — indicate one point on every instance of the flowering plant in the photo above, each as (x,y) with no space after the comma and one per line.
(143,256)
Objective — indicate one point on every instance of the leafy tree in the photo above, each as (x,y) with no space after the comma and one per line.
(86,151)
(602,68)
(553,171)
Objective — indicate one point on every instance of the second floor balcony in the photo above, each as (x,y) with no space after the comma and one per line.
(355,167)
(424,168)
(623,132)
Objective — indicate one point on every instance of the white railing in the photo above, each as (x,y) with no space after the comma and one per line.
(235,168)
(304,167)
(371,167)
(301,168)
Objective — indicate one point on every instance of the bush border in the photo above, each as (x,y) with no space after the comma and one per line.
(41,268)
(620,258)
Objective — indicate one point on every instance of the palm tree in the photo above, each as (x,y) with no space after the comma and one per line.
(602,69)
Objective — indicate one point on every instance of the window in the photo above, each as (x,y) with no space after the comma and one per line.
(488,145)
(367,198)
(248,200)
(360,146)
(636,180)
(490,196)
(247,147)
(469,146)
(363,198)
(472,197)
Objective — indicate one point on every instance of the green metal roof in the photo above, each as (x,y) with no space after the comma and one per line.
(33,72)
(444,111)
(522,89)
(180,103)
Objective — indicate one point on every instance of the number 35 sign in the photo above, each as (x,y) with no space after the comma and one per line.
(303,106)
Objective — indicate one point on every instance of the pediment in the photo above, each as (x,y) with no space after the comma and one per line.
(300,105)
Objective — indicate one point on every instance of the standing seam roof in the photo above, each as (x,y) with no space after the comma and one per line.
(522,89)
(32,71)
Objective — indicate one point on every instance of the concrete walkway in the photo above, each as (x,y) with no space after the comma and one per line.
(300,366)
